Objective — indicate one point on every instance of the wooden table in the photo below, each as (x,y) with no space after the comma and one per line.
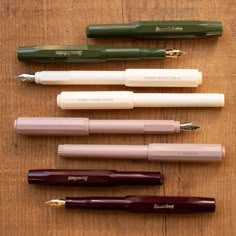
(23,211)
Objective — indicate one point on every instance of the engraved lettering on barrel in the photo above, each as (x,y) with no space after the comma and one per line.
(68,53)
(77,178)
(163,206)
(171,28)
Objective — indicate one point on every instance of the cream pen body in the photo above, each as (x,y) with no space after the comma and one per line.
(130,100)
(151,152)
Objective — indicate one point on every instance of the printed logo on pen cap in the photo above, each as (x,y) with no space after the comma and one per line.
(171,28)
(77,178)
(164,206)
(68,53)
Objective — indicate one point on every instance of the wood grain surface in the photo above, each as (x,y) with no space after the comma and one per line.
(23,212)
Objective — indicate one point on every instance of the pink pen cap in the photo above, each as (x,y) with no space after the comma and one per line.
(152,152)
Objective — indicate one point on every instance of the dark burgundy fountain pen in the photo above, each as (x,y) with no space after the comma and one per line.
(93,177)
(146,204)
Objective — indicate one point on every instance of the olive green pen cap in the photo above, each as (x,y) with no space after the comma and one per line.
(157,29)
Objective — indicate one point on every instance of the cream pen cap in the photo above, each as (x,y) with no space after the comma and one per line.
(129,77)
(152,152)
(129,100)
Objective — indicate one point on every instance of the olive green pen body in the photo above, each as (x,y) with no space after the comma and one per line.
(91,53)
(157,29)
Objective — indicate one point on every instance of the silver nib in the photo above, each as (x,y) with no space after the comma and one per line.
(174,53)
(188,126)
(26,77)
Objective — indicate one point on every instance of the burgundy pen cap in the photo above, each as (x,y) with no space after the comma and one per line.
(93,177)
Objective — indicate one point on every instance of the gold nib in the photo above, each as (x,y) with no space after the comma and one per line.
(56,203)
(174,53)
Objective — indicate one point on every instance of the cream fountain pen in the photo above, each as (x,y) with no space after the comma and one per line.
(128,77)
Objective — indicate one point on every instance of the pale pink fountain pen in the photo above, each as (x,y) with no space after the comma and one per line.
(85,126)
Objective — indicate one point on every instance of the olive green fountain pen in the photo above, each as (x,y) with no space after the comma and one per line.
(157,29)
(92,53)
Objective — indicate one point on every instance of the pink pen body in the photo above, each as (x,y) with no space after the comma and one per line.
(84,126)
(152,152)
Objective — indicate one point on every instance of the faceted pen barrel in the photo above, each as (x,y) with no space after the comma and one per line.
(157,29)
(86,53)
(146,204)
(76,177)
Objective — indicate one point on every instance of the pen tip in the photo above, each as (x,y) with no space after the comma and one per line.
(188,126)
(26,77)
(19,77)
(182,52)
(55,203)
(195,127)
(174,53)
(48,203)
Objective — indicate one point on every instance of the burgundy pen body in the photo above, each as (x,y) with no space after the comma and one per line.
(146,204)
(93,177)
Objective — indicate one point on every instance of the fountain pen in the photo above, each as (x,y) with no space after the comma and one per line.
(85,126)
(128,77)
(157,29)
(92,53)
(145,204)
